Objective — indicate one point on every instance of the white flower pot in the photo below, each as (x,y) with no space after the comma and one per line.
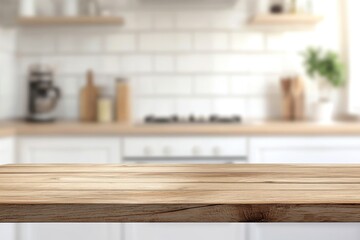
(324,111)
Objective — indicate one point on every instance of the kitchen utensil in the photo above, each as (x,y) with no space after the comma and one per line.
(43,95)
(123,101)
(277,6)
(298,98)
(88,100)
(286,99)
(293,98)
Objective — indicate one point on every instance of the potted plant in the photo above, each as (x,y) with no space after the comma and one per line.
(326,68)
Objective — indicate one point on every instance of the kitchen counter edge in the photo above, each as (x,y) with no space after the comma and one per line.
(8,129)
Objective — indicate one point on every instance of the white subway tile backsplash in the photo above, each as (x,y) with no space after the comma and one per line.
(247,41)
(8,40)
(134,21)
(109,64)
(193,20)
(266,85)
(35,43)
(230,106)
(7,107)
(7,78)
(232,63)
(296,42)
(76,43)
(144,86)
(179,62)
(70,86)
(239,85)
(164,63)
(135,63)
(229,20)
(77,64)
(164,21)
(192,63)
(212,85)
(275,42)
(211,41)
(194,106)
(173,85)
(151,106)
(68,109)
(263,108)
(165,42)
(120,42)
(266,63)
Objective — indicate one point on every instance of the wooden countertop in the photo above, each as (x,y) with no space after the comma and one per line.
(180,193)
(264,128)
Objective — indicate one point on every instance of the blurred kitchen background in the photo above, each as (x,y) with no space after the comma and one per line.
(179,81)
(180,58)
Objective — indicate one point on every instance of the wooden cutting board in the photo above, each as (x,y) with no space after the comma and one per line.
(88,100)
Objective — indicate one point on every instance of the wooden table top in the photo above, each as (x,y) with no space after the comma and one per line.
(243,129)
(180,193)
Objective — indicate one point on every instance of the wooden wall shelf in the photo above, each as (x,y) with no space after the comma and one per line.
(285,19)
(69,21)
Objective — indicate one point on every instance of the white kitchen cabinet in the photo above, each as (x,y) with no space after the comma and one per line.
(304,231)
(69,231)
(193,231)
(181,150)
(70,150)
(185,147)
(305,150)
(7,150)
(7,156)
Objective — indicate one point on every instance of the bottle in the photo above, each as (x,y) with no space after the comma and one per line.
(293,7)
(105,110)
(88,100)
(123,101)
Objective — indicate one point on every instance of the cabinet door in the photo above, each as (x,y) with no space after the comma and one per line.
(7,156)
(304,150)
(311,231)
(7,150)
(70,150)
(184,231)
(69,231)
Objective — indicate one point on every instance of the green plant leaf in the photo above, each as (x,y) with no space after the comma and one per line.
(326,65)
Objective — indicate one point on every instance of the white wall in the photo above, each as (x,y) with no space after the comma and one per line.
(7,75)
(179,62)
(8,80)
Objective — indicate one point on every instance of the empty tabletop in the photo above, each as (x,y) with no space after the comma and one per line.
(179,193)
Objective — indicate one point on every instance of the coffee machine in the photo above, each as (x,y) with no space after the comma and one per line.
(43,95)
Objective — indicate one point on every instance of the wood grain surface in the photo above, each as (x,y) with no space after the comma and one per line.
(244,129)
(180,193)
